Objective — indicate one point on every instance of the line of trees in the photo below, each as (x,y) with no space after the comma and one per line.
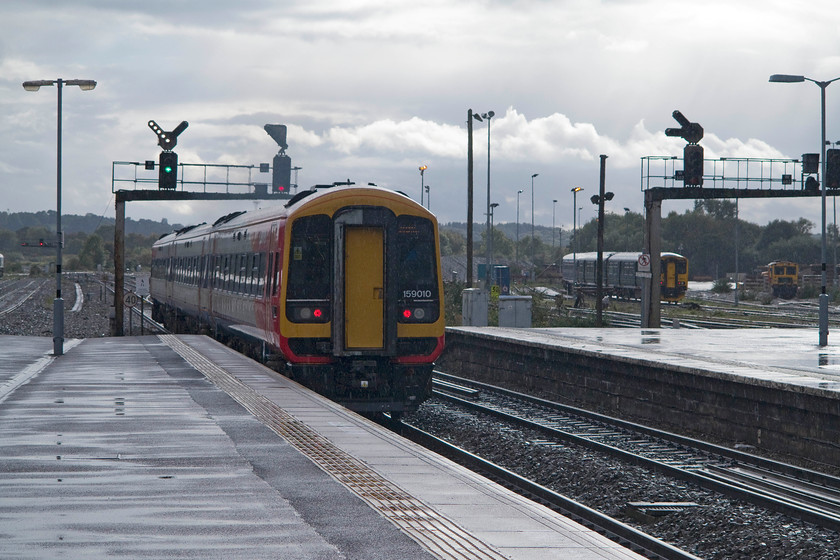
(704,234)
(81,251)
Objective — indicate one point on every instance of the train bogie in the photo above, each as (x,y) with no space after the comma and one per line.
(341,287)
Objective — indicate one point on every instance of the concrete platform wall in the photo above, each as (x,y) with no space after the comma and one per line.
(789,420)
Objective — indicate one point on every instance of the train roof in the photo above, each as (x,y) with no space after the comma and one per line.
(300,201)
(614,256)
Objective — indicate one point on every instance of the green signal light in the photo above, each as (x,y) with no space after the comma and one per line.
(168,169)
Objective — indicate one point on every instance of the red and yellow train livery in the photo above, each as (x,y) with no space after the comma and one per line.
(341,286)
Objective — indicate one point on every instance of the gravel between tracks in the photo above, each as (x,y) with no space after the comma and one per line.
(720,529)
(35,316)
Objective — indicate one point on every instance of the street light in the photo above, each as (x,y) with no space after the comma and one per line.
(532,216)
(422,169)
(490,240)
(517,229)
(58,303)
(788,79)
(574,227)
(488,115)
(553,211)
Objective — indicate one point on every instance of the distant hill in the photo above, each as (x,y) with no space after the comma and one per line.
(70,223)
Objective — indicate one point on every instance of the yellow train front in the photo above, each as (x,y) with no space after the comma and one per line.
(784,278)
(361,301)
(673,277)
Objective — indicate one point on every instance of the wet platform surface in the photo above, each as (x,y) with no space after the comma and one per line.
(176,447)
(784,356)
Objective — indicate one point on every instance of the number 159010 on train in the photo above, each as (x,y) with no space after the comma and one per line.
(340,287)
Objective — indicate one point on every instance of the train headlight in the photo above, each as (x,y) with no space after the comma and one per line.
(419,313)
(305,313)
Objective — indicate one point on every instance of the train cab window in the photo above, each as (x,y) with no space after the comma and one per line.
(417,270)
(310,269)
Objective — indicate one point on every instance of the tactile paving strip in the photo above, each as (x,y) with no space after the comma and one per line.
(437,534)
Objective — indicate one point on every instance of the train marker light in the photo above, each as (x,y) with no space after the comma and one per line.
(407,313)
(317,313)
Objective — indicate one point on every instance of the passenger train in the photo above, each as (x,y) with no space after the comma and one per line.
(620,274)
(340,288)
(2,265)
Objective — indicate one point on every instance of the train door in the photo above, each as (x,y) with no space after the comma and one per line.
(670,270)
(364,287)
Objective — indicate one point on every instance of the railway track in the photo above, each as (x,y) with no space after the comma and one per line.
(14,293)
(808,495)
(624,534)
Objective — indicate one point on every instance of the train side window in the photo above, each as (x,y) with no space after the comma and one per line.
(275,283)
(257,272)
(226,273)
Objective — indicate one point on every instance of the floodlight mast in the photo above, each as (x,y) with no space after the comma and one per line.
(823,298)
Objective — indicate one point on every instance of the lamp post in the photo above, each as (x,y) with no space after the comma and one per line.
(517,229)
(58,302)
(422,169)
(553,212)
(490,240)
(574,227)
(788,78)
(532,217)
(480,118)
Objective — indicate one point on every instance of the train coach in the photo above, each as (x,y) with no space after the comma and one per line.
(2,265)
(340,288)
(620,274)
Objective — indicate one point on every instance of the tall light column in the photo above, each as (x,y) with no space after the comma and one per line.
(517,229)
(488,115)
(58,302)
(788,78)
(533,248)
(422,169)
(553,212)
(493,207)
(574,229)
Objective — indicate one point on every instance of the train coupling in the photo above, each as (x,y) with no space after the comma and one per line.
(364,373)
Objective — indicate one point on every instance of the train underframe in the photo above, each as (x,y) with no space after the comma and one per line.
(360,383)
(367,384)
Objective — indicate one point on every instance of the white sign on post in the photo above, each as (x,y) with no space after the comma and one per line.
(141,284)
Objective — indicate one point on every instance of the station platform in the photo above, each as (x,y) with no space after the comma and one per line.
(177,447)
(776,356)
(775,390)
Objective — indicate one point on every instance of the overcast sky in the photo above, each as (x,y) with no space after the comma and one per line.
(372,89)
